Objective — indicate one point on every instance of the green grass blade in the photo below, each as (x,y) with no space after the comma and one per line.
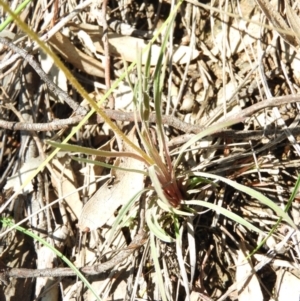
(181,262)
(31,34)
(18,10)
(228,214)
(155,228)
(291,199)
(8,222)
(173,210)
(125,208)
(293,195)
(158,271)
(108,165)
(212,129)
(90,151)
(157,185)
(255,194)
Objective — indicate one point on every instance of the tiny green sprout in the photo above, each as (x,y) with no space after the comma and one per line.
(195,181)
(6,221)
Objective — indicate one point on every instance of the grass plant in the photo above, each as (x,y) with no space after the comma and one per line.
(169,211)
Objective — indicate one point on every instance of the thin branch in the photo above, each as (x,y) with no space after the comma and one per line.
(136,243)
(167,119)
(53,87)
(52,31)
(42,127)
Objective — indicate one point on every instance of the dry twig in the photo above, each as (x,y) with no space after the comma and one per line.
(136,243)
(166,119)
(53,87)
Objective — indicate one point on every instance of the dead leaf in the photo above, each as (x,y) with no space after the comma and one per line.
(288,286)
(88,43)
(95,171)
(125,46)
(277,20)
(65,182)
(110,196)
(70,53)
(242,33)
(17,180)
(45,286)
(294,21)
(53,72)
(248,289)
(123,97)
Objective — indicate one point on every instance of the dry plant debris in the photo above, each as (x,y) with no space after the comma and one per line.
(229,61)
